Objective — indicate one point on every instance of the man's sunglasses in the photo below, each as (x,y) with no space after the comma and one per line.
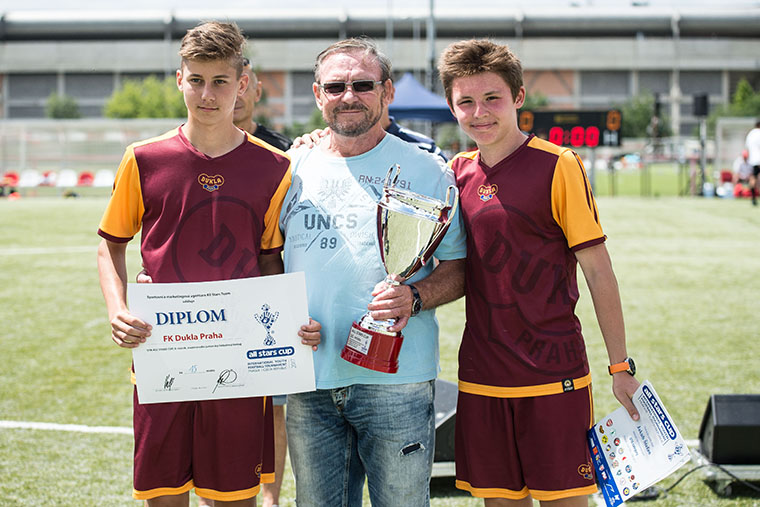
(338,87)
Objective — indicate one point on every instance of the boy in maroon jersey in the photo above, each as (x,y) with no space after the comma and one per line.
(207,197)
(525,397)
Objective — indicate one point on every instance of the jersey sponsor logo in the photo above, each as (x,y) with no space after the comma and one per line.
(211,183)
(487,192)
(585,471)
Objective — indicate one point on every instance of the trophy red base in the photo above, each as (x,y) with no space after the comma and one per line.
(373,349)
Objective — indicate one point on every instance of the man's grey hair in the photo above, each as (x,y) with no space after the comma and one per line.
(364,44)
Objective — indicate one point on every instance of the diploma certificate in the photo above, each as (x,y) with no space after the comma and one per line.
(228,339)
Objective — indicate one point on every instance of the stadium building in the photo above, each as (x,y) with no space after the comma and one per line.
(580,56)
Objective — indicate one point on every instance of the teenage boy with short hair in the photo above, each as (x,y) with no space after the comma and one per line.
(207,197)
(524,385)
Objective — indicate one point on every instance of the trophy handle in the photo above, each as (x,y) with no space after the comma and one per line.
(388,183)
(451,210)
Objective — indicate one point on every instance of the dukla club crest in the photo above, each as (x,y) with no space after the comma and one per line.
(487,192)
(211,183)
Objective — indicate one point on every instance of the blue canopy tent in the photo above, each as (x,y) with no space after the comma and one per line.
(412,100)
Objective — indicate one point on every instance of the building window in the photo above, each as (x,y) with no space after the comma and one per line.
(654,82)
(608,84)
(695,82)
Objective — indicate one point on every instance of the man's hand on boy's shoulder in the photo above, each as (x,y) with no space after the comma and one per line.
(311,139)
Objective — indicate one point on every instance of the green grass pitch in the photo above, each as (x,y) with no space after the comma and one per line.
(688,270)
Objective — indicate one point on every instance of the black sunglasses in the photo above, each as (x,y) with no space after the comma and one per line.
(338,87)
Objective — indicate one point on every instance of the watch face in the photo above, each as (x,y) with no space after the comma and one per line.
(631,366)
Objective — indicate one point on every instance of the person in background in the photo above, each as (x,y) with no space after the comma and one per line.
(244,111)
(421,140)
(753,158)
(742,173)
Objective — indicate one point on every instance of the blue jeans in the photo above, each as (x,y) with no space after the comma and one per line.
(386,432)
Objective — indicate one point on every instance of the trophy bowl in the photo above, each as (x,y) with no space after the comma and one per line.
(409,228)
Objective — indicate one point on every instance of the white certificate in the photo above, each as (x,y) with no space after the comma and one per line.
(228,339)
(629,456)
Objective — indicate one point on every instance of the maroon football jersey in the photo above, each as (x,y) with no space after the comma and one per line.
(202,218)
(524,217)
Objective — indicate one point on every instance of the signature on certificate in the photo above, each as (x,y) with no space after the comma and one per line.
(226,377)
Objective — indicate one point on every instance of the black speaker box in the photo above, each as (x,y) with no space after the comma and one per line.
(445,402)
(730,429)
(701,105)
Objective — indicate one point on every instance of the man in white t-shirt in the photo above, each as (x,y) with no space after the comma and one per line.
(753,148)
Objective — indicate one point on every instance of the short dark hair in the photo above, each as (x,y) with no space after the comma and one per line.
(471,57)
(364,44)
(214,40)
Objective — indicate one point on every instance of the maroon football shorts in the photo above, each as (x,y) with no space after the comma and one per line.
(222,448)
(515,447)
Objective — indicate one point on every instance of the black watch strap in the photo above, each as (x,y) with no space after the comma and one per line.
(416,300)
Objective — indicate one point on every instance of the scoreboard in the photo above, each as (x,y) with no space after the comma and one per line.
(574,128)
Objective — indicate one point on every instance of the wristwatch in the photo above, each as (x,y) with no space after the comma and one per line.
(626,365)
(416,300)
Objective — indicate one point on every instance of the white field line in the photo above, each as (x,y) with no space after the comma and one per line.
(93,249)
(81,428)
(49,250)
(77,428)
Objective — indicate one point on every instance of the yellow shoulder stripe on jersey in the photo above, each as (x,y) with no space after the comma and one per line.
(166,135)
(544,145)
(260,142)
(466,154)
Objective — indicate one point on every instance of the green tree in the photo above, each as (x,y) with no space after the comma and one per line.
(315,122)
(62,107)
(744,102)
(534,101)
(638,112)
(147,98)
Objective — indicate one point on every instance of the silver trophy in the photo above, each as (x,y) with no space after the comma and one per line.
(409,227)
